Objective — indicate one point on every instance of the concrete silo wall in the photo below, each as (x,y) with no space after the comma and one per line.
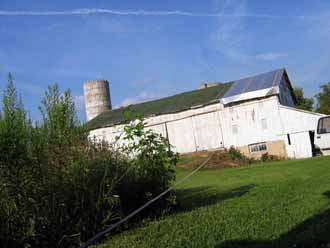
(97,97)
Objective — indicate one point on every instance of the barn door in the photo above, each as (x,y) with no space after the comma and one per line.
(181,135)
(207,131)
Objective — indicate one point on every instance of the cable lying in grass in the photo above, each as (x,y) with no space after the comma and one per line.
(108,230)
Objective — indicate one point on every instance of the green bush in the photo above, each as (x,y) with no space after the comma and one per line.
(269,158)
(57,188)
(235,154)
(152,169)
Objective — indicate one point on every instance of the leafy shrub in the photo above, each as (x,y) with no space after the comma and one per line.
(152,166)
(235,154)
(269,158)
(57,188)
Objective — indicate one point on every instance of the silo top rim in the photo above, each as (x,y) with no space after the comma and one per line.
(96,81)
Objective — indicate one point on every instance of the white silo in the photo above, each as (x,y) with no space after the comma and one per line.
(97,97)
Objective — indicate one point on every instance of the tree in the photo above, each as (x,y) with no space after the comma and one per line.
(14,176)
(13,124)
(323,98)
(302,101)
(57,188)
(59,114)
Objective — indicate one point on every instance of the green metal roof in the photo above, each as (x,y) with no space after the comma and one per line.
(171,104)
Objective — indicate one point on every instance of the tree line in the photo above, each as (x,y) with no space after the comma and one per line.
(319,103)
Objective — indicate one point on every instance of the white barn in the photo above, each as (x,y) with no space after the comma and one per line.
(255,114)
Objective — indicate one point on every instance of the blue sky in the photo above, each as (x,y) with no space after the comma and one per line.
(150,49)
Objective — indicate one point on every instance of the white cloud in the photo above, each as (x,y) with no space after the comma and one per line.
(94,11)
(230,37)
(233,40)
(144,96)
(106,24)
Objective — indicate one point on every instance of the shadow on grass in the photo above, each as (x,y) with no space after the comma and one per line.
(189,199)
(312,233)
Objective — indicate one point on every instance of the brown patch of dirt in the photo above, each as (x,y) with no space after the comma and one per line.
(219,160)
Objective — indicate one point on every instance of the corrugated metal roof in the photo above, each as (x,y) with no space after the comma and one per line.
(255,83)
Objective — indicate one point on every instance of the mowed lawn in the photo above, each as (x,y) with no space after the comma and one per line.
(280,204)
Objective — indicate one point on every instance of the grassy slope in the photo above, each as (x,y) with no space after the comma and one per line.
(275,205)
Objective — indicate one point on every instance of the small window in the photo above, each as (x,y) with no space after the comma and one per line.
(324,125)
(264,124)
(235,129)
(260,147)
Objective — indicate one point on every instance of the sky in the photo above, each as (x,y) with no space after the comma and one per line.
(149,49)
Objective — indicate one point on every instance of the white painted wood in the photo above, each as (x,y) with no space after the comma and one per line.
(214,126)
(207,132)
(181,135)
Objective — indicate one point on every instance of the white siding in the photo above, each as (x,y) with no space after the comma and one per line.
(300,145)
(297,124)
(295,120)
(256,121)
(243,124)
(181,135)
(207,133)
(161,129)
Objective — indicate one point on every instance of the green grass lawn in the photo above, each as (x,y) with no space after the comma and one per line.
(281,204)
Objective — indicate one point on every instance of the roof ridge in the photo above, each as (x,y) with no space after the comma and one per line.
(260,74)
(175,95)
(167,105)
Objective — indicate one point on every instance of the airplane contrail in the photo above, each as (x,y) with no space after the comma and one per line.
(94,11)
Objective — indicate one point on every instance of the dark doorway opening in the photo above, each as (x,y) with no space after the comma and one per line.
(312,139)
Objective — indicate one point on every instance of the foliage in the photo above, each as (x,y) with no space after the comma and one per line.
(269,158)
(56,187)
(323,99)
(235,154)
(303,102)
(278,204)
(152,166)
(14,178)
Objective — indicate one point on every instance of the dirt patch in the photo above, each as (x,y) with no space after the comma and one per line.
(219,160)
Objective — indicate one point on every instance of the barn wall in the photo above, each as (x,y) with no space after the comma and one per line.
(251,122)
(188,131)
(208,131)
(295,120)
(296,126)
(300,145)
(192,130)
(181,135)
(216,126)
